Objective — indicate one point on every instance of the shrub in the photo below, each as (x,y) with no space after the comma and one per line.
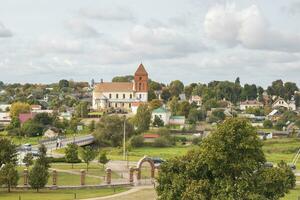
(161,142)
(268,124)
(137,141)
(196,141)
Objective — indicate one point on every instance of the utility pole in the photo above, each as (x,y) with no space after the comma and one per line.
(124,139)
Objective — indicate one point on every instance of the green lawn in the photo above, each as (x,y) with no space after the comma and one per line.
(58,194)
(292,195)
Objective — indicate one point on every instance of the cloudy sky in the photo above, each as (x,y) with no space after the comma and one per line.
(190,40)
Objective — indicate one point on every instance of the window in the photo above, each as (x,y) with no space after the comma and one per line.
(140,86)
(117,96)
(130,96)
(109,105)
(110,96)
(116,105)
(140,96)
(141,78)
(129,105)
(122,104)
(124,96)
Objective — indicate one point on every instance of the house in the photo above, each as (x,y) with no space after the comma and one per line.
(196,99)
(24,117)
(182,97)
(5,118)
(121,94)
(4,107)
(35,107)
(177,120)
(163,114)
(150,137)
(65,115)
(51,133)
(250,104)
(281,103)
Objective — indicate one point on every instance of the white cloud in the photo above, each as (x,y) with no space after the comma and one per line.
(115,13)
(247,27)
(293,8)
(81,29)
(4,32)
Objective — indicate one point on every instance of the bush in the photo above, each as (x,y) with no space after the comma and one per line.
(161,142)
(268,124)
(56,160)
(137,141)
(196,141)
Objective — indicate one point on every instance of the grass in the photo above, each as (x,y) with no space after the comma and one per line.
(145,194)
(58,194)
(292,195)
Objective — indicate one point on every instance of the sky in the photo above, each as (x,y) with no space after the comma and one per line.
(43,41)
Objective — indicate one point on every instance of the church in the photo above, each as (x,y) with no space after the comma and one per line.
(122,95)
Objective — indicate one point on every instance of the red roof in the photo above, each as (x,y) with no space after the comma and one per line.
(151,136)
(136,104)
(141,71)
(24,117)
(114,87)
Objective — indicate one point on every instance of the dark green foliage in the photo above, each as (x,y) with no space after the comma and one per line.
(127,78)
(81,110)
(42,157)
(103,158)
(31,128)
(228,165)
(142,118)
(43,119)
(28,159)
(8,151)
(176,88)
(63,84)
(157,122)
(38,176)
(137,141)
(110,129)
(268,124)
(9,176)
(92,126)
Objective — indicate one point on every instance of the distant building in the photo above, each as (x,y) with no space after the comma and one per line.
(281,103)
(4,107)
(5,118)
(165,115)
(250,104)
(150,137)
(196,99)
(122,94)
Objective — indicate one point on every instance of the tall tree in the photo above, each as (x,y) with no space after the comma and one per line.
(142,118)
(19,107)
(8,151)
(88,154)
(71,154)
(38,176)
(28,159)
(176,88)
(228,165)
(103,158)
(9,176)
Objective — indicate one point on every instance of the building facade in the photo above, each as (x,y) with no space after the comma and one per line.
(121,95)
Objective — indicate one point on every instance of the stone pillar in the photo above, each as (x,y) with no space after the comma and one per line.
(25,177)
(131,173)
(82,177)
(54,178)
(108,176)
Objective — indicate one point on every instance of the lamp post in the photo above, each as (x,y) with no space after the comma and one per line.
(124,139)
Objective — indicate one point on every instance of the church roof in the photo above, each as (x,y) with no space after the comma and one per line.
(114,87)
(141,70)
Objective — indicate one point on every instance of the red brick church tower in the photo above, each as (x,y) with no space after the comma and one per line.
(141,83)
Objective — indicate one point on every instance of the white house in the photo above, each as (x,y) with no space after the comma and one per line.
(163,114)
(250,104)
(280,102)
(4,107)
(196,99)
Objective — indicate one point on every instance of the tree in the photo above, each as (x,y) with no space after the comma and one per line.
(19,107)
(142,118)
(228,165)
(63,84)
(92,126)
(88,154)
(71,154)
(165,94)
(42,157)
(184,108)
(103,158)
(81,110)
(31,128)
(38,176)
(8,151)
(127,78)
(28,159)
(43,118)
(110,129)
(268,124)
(157,122)
(154,104)
(174,105)
(176,88)
(9,176)
(137,141)
(196,115)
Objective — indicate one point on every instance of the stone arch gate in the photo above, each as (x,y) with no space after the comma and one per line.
(138,169)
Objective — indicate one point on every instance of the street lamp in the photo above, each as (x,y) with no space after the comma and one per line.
(124,139)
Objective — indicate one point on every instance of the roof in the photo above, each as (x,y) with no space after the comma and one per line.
(250,102)
(114,87)
(24,117)
(141,70)
(151,136)
(177,117)
(160,110)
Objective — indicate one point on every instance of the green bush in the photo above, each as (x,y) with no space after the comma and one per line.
(137,141)
(161,142)
(196,141)
(268,124)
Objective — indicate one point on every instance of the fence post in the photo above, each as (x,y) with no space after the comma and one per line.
(108,176)
(25,177)
(82,177)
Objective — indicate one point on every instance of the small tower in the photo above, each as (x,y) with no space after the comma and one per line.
(141,83)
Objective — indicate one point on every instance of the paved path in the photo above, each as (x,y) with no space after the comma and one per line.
(122,194)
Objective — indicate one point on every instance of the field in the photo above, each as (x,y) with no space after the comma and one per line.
(58,194)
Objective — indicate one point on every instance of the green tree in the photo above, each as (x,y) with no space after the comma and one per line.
(92,126)
(31,128)
(127,78)
(8,151)
(154,104)
(176,88)
(81,110)
(43,118)
(88,154)
(38,176)
(28,159)
(142,118)
(137,141)
(63,84)
(268,124)
(228,165)
(165,94)
(103,158)
(174,105)
(157,122)
(71,154)
(184,108)
(110,129)
(9,176)
(42,157)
